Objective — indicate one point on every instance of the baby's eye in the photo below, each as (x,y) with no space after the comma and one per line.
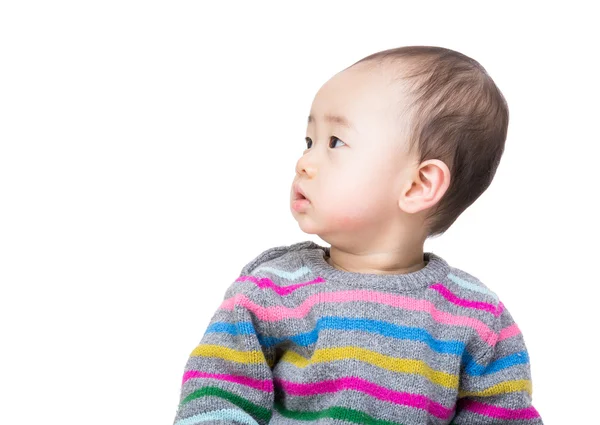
(333,138)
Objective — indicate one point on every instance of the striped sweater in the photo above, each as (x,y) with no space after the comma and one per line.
(297,341)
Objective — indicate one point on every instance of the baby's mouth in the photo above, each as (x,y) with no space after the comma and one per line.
(298,196)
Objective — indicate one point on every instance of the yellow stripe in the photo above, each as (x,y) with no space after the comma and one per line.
(394,364)
(501,388)
(385,362)
(225,353)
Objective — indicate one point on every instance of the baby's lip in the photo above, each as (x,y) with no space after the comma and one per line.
(299,193)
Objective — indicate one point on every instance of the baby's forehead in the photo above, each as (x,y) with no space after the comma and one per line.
(388,72)
(362,89)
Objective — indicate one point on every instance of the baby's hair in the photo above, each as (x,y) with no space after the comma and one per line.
(457,115)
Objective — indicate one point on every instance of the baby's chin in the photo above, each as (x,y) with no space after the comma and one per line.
(308,221)
(325,226)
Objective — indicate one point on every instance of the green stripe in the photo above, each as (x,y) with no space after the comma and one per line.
(335,412)
(252,409)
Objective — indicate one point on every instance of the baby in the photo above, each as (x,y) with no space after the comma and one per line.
(372,329)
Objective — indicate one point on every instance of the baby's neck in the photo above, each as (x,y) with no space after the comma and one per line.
(376,263)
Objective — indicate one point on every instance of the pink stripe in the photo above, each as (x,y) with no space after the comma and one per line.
(497,412)
(479,305)
(509,331)
(273,314)
(263,385)
(374,390)
(265,282)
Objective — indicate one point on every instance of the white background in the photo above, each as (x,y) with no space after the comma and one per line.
(147,152)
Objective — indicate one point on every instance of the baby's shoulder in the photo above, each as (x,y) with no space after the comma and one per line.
(276,272)
(284,261)
(470,287)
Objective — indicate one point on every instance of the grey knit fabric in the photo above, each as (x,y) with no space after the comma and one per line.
(297,341)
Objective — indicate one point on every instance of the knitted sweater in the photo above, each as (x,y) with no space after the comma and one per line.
(297,341)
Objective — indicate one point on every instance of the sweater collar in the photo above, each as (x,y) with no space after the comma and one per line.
(314,255)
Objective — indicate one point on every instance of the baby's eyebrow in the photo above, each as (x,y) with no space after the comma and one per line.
(335,119)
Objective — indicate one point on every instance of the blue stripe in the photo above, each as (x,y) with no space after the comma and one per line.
(349,324)
(472,286)
(224,415)
(238,328)
(474,369)
(285,274)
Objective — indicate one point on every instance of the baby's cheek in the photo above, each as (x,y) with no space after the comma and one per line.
(344,221)
(349,217)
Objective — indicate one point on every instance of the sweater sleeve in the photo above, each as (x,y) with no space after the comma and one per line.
(495,387)
(228,376)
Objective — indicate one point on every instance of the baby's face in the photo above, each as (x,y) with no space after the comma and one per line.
(355,161)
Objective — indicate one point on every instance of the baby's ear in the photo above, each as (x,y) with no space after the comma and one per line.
(430,182)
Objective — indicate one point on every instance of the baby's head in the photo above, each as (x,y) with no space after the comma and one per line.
(398,145)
